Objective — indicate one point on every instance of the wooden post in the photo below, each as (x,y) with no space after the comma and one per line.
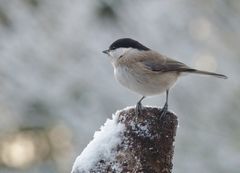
(146,144)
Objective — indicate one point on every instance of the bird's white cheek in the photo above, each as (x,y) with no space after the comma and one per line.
(115,54)
(118,52)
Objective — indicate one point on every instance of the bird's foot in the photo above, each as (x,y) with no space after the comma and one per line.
(138,109)
(164,111)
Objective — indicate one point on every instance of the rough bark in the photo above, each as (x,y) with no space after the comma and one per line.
(147,143)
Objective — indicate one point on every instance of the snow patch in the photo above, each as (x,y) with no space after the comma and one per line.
(102,145)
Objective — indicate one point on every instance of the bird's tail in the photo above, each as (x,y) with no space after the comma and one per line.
(205,73)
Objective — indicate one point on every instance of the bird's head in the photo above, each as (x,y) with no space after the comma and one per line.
(119,47)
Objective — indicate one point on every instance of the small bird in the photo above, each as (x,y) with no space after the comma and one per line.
(146,71)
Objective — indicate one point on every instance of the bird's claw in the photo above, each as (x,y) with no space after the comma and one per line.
(164,111)
(138,109)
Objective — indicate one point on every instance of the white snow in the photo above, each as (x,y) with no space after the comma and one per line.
(101,147)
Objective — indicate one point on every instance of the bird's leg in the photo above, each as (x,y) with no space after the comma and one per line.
(138,109)
(165,108)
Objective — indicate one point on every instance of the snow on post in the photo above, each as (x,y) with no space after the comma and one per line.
(127,143)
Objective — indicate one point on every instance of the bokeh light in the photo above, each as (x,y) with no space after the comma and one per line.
(18,152)
(200,28)
(206,62)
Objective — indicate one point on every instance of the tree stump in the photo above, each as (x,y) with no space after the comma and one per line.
(145,144)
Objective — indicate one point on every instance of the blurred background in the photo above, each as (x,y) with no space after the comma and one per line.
(57,87)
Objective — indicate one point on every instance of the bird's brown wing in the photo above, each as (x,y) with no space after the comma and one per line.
(155,62)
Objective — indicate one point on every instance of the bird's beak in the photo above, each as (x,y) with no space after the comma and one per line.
(106,52)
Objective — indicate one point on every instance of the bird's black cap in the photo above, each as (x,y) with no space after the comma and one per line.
(127,43)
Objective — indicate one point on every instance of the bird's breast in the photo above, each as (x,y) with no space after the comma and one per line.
(145,84)
(125,76)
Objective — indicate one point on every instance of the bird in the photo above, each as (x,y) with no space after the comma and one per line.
(145,71)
